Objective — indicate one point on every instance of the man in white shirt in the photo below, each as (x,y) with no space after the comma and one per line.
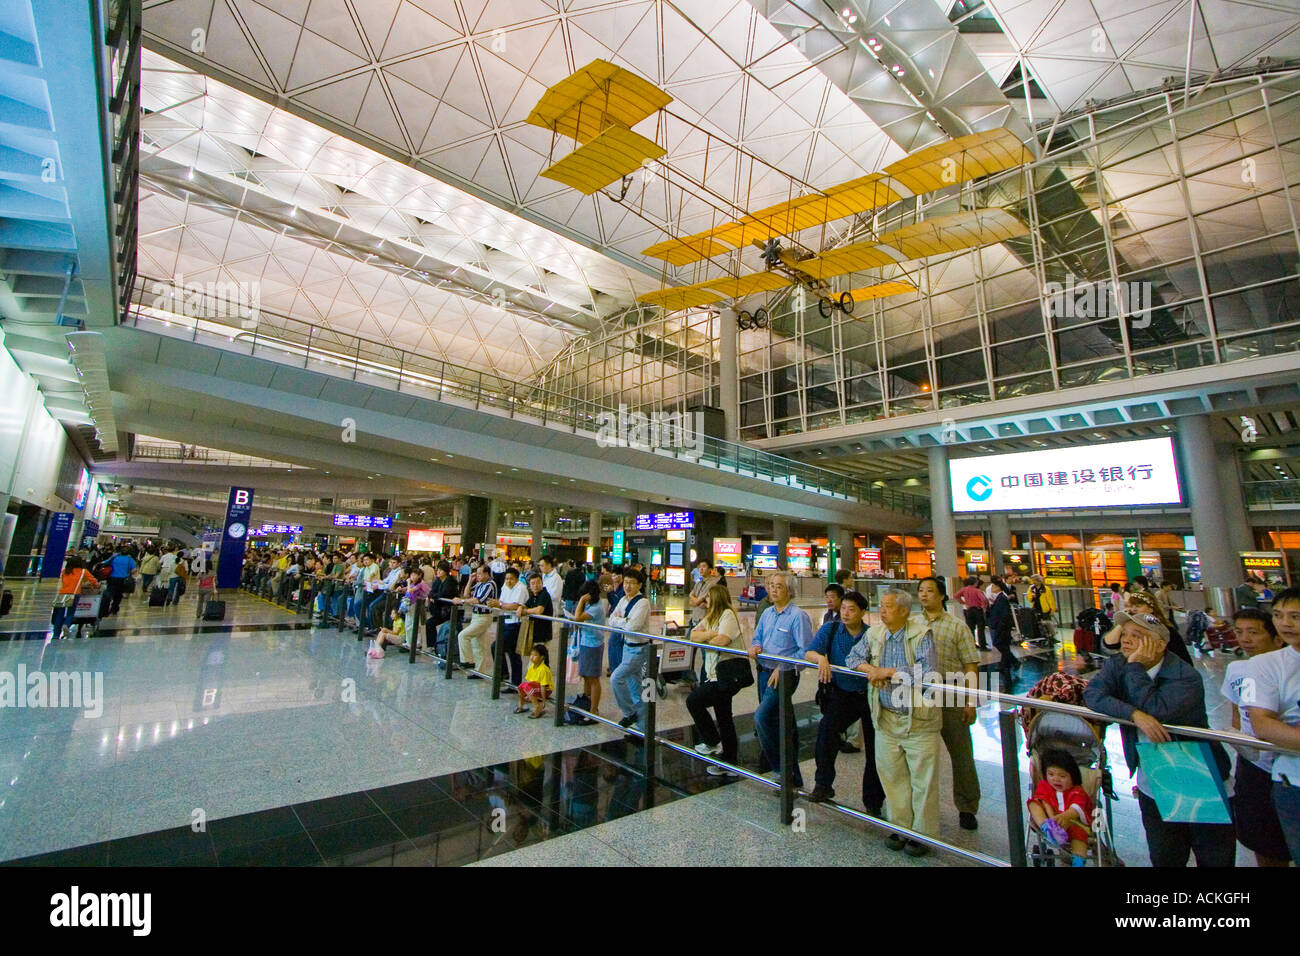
(1275,715)
(514,595)
(552,581)
(632,614)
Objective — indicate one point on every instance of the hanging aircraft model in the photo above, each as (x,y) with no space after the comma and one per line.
(598,106)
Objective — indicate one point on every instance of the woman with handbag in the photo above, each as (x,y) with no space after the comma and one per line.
(724,677)
(75,580)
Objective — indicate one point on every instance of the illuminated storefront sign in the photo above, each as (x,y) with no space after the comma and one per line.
(1103,475)
(425,540)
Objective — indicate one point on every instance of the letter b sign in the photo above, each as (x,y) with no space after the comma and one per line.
(241,497)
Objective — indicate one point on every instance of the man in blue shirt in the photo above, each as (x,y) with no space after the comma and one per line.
(120,567)
(783,630)
(843,701)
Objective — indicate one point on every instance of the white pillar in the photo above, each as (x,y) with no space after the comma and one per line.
(942,523)
(1220,569)
(594,535)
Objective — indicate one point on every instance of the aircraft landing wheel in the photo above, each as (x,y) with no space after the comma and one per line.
(744,321)
(760,318)
(825,307)
(846,303)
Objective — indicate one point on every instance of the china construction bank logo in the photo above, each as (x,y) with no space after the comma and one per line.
(979,488)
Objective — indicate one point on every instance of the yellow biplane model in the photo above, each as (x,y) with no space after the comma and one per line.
(598,106)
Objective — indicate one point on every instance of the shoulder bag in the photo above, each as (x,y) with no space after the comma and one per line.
(734,669)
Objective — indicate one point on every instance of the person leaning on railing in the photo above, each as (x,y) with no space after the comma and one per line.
(955,646)
(630,619)
(783,630)
(1151,686)
(474,636)
(907,726)
(1275,713)
(724,677)
(843,701)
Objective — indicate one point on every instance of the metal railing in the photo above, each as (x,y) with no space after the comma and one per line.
(301,344)
(958,695)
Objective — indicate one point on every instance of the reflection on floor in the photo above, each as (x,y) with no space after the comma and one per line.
(296,749)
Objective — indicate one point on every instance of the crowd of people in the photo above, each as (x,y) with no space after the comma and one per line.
(1147,677)
(124,571)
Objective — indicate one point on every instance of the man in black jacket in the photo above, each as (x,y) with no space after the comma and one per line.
(1152,687)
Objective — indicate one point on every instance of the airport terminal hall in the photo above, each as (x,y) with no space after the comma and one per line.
(650,433)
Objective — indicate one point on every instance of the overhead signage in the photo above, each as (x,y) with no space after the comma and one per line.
(664,522)
(1132,558)
(56,544)
(425,540)
(270,528)
(234,538)
(363,521)
(677,535)
(1101,475)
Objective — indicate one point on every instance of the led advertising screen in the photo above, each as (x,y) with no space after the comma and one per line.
(798,556)
(764,554)
(727,554)
(675,576)
(424,540)
(1102,475)
(665,522)
(83,490)
(363,521)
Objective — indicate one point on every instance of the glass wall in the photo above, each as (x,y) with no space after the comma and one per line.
(1160,238)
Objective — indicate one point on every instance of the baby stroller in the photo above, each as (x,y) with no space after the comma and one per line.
(1084,741)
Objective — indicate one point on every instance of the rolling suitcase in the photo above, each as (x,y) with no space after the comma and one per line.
(214,611)
(157,597)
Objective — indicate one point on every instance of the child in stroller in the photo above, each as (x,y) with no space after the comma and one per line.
(1060,807)
(1052,739)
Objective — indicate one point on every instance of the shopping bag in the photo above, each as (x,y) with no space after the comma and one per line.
(1185,781)
(524,645)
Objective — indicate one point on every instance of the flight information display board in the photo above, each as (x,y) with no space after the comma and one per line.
(665,522)
(363,521)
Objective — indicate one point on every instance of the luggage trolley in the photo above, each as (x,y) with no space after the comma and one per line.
(86,612)
(676,661)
